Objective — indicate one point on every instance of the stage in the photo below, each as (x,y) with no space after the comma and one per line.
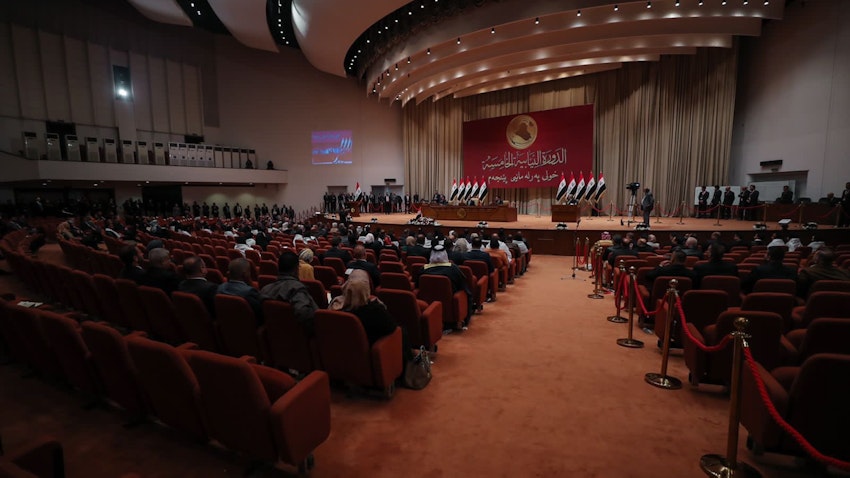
(541,234)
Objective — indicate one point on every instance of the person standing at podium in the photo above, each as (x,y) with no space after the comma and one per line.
(647,204)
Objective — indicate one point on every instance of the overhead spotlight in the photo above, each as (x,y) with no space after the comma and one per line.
(746,2)
(537,21)
(428,52)
(723,3)
(492,30)
(408,59)
(700,2)
(374,90)
(678,3)
(396,67)
(578,13)
(648,4)
(410,12)
(458,40)
(616,8)
(766,2)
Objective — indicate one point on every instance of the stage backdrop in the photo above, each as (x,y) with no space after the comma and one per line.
(531,149)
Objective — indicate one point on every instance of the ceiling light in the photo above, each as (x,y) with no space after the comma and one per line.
(766,2)
(723,3)
(677,3)
(578,13)
(492,29)
(616,8)
(428,52)
(192,4)
(648,4)
(700,2)
(746,2)
(458,40)
(396,67)
(374,90)
(408,59)
(199,13)
(537,21)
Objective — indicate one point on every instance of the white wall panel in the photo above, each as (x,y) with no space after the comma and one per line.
(79,86)
(176,104)
(28,69)
(141,91)
(55,76)
(100,71)
(9,102)
(159,94)
(194,106)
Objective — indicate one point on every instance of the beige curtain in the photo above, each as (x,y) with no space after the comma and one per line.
(665,124)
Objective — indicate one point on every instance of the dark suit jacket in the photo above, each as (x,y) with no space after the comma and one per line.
(367,266)
(673,270)
(457,257)
(419,250)
(337,252)
(164,279)
(770,270)
(482,256)
(250,294)
(722,268)
(202,288)
(134,273)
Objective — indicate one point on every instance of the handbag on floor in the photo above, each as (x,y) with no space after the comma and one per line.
(417,372)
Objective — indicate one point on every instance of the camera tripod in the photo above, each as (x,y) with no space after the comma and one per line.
(631,208)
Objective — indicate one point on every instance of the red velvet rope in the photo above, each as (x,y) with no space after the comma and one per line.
(621,292)
(797,436)
(642,306)
(705,348)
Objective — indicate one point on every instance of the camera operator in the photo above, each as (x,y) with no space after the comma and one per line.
(647,205)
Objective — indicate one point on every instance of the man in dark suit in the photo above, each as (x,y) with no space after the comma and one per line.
(715,266)
(787,196)
(336,251)
(360,262)
(702,202)
(196,283)
(419,249)
(132,259)
(160,273)
(728,201)
(675,267)
(238,284)
(752,214)
(476,254)
(715,199)
(822,268)
(772,269)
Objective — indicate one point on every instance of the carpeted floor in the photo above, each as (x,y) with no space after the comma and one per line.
(536,387)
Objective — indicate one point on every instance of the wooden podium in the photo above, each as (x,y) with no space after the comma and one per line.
(565,213)
(353,208)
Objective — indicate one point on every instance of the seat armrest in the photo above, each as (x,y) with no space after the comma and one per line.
(434,308)
(386,359)
(754,415)
(188,346)
(41,457)
(301,418)
(275,382)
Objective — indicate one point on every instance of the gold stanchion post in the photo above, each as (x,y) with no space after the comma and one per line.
(586,253)
(597,284)
(619,319)
(729,467)
(631,342)
(719,208)
(661,380)
(682,214)
(657,214)
(611,211)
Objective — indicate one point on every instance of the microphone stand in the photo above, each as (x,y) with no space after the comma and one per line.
(575,253)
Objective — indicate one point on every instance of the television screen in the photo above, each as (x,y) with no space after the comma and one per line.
(332,147)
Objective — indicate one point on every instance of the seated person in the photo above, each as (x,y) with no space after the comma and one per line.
(289,289)
(772,269)
(476,254)
(439,265)
(822,268)
(132,257)
(239,284)
(674,267)
(692,247)
(459,251)
(360,262)
(419,248)
(715,266)
(196,283)
(337,251)
(160,273)
(305,266)
(829,200)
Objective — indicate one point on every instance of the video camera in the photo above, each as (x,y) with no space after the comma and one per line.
(633,186)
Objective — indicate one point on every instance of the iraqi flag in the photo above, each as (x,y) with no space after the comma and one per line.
(600,187)
(453,193)
(461,190)
(580,186)
(562,188)
(474,191)
(591,188)
(571,185)
(482,191)
(467,189)
(358,193)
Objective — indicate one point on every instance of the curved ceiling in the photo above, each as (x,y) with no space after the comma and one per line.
(413,51)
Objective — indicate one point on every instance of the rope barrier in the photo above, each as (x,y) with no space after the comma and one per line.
(643,307)
(620,292)
(786,427)
(705,348)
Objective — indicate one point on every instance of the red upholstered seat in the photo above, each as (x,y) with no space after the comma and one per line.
(391,266)
(288,344)
(268,268)
(64,337)
(396,281)
(346,354)
(814,403)
(114,367)
(821,304)
(478,284)
(784,286)
(35,344)
(110,305)
(480,269)
(131,304)
(84,284)
(237,327)
(730,284)
(439,288)
(194,320)
(327,276)
(271,417)
(168,383)
(317,291)
(422,327)
(777,302)
(161,315)
(336,264)
(41,457)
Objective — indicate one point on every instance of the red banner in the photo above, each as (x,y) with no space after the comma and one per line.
(531,149)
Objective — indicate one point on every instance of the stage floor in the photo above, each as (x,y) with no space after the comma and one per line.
(595,223)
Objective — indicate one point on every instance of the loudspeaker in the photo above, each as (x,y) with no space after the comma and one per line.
(767,164)
(389,180)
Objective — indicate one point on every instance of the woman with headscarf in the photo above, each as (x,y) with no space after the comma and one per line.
(373,314)
(305,266)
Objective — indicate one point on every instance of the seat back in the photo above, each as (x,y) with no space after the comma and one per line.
(391,266)
(826,335)
(438,288)
(288,344)
(161,315)
(396,281)
(343,347)
(403,306)
(702,307)
(410,260)
(730,284)
(107,294)
(87,291)
(765,330)
(326,275)
(194,320)
(660,286)
(336,264)
(168,383)
(268,268)
(817,401)
(777,302)
(318,292)
(67,343)
(237,326)
(240,421)
(830,285)
(826,304)
(39,355)
(111,360)
(784,286)
(131,303)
